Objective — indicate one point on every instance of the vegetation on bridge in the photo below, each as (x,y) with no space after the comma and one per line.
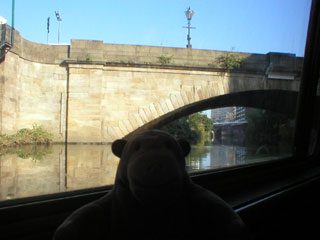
(165,60)
(195,128)
(227,61)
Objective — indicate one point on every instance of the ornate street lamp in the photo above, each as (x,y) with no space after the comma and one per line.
(189,13)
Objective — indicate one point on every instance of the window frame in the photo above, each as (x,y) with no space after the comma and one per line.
(308,87)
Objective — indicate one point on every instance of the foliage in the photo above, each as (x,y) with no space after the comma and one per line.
(268,128)
(36,135)
(202,125)
(165,60)
(228,61)
(195,128)
(88,58)
(180,128)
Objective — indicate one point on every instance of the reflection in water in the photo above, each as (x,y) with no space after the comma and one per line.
(30,170)
(82,166)
(215,156)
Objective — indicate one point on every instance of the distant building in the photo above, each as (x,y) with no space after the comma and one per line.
(3,20)
(241,113)
(229,114)
(226,114)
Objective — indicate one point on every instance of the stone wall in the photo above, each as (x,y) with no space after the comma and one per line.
(31,93)
(107,102)
(33,87)
(95,92)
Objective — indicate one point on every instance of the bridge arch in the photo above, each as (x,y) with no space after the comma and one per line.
(281,101)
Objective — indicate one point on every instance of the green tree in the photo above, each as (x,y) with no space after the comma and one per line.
(202,125)
(195,128)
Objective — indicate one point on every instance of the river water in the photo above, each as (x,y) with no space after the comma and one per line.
(37,170)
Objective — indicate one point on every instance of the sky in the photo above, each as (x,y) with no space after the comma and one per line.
(255,26)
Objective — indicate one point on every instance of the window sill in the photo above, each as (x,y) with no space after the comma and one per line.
(242,186)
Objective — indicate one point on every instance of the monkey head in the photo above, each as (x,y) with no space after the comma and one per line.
(152,166)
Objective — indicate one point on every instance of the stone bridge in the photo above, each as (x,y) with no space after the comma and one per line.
(93,92)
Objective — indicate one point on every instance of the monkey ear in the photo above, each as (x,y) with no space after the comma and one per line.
(185,146)
(118,146)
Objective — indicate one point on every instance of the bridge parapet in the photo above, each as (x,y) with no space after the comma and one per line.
(151,55)
(93,50)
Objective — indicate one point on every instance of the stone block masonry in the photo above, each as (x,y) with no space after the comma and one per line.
(91,92)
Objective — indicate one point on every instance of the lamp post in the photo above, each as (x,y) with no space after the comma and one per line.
(189,13)
(59,20)
(12,23)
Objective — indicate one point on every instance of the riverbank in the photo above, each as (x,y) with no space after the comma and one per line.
(35,135)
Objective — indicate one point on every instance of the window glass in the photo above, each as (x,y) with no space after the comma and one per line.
(76,75)
(232,136)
